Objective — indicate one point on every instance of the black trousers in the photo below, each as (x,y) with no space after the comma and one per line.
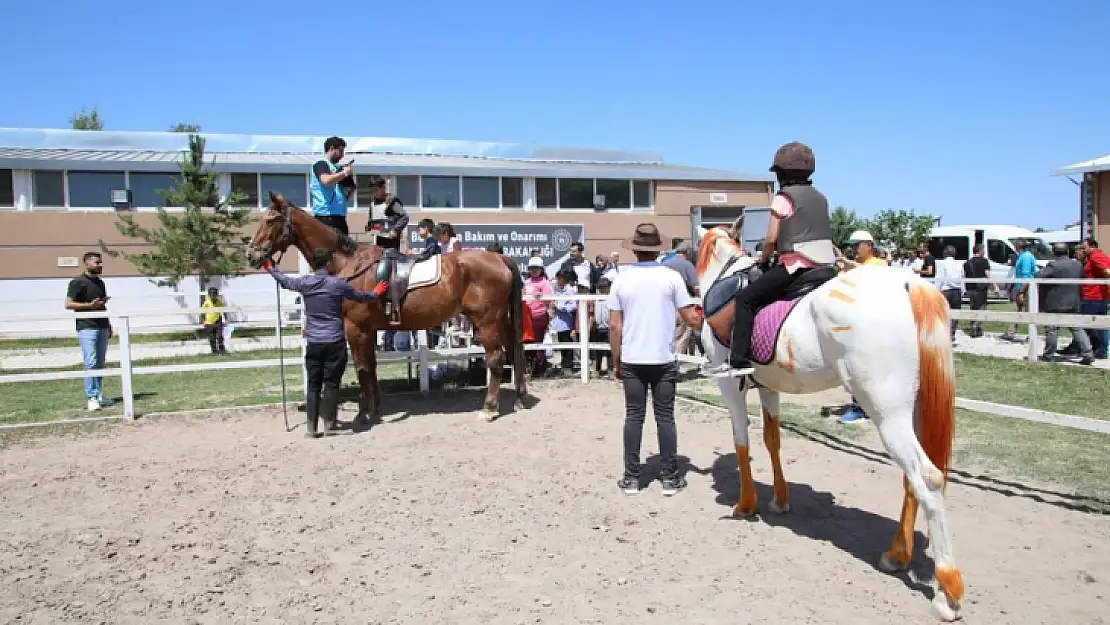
(660,381)
(766,289)
(339,222)
(326,363)
(978,301)
(955,299)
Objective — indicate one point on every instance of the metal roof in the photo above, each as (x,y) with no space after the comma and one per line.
(160,151)
(1094,165)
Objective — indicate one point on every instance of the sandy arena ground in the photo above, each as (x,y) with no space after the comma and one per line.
(435,517)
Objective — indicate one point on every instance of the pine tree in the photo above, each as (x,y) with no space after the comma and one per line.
(205,240)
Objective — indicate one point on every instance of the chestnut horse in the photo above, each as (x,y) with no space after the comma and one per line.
(484,286)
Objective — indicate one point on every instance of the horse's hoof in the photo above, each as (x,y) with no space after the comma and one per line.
(487,415)
(943,609)
(739,512)
(777,509)
(888,564)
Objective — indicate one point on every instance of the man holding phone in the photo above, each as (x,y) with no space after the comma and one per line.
(332,186)
(86,293)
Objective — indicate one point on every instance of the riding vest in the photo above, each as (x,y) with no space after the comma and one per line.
(808,231)
(388,214)
(326,200)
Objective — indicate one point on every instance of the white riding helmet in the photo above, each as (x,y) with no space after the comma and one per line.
(861,235)
(535,262)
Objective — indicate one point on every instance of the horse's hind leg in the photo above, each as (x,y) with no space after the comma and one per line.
(489,329)
(926,484)
(514,353)
(772,438)
(735,398)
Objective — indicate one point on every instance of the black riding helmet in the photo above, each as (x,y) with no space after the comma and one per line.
(794,157)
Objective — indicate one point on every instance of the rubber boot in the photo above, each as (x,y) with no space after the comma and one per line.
(312,411)
(329,411)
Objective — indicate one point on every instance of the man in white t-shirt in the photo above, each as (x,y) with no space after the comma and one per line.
(642,306)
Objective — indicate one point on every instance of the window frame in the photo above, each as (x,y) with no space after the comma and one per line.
(68,189)
(11,189)
(257,188)
(650,208)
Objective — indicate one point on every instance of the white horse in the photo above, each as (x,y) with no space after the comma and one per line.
(883,335)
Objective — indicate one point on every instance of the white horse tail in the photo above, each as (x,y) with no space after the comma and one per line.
(936,391)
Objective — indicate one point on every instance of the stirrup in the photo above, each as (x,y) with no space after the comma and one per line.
(726,370)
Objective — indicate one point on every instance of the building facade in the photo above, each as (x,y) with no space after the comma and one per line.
(1094,197)
(56,196)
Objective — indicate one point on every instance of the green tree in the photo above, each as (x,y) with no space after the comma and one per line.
(205,240)
(900,230)
(191,128)
(86,120)
(844,223)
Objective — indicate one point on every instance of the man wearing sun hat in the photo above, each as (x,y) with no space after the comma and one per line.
(642,308)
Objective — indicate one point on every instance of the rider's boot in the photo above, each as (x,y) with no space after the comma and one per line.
(312,411)
(329,411)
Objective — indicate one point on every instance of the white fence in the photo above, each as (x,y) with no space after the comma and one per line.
(424,355)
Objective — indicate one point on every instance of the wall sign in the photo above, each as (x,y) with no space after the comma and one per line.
(518,240)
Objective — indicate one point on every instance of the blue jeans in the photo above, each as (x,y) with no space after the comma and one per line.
(1100,339)
(94,347)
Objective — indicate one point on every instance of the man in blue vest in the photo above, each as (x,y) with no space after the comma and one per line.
(331,186)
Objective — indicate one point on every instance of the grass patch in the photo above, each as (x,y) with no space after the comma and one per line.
(183,337)
(1073,459)
(65,399)
(1074,390)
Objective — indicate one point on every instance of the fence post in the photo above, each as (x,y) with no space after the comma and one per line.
(1034,308)
(422,346)
(124,329)
(584,339)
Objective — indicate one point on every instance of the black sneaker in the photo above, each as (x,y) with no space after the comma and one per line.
(629,485)
(672,485)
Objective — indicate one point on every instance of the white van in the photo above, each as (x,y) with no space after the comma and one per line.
(1070,236)
(1000,242)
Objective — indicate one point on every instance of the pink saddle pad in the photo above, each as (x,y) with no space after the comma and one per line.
(765,330)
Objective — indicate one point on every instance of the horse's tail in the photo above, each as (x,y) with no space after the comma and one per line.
(516,313)
(936,391)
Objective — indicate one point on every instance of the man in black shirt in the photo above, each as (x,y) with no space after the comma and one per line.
(977,267)
(928,262)
(86,293)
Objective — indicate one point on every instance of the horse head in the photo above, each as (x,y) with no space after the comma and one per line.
(275,232)
(716,249)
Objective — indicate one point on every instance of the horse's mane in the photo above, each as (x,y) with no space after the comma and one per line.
(345,244)
(705,248)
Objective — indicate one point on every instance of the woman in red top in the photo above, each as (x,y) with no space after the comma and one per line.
(1095,297)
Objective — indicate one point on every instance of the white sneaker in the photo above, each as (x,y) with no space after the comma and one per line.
(94,404)
(105,402)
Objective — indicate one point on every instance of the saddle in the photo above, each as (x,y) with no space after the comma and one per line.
(720,309)
(409,274)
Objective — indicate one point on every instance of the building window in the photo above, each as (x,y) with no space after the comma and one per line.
(7,188)
(93,189)
(439,192)
(49,188)
(293,186)
(481,192)
(576,193)
(364,193)
(145,187)
(408,190)
(641,194)
(547,193)
(247,184)
(512,192)
(618,193)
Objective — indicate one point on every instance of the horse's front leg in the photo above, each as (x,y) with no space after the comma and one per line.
(772,437)
(735,397)
(362,344)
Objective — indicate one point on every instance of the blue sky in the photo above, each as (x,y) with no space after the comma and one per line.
(959,109)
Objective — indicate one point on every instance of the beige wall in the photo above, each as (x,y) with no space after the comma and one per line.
(32,241)
(1102,209)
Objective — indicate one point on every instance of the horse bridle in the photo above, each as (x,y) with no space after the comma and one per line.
(287,234)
